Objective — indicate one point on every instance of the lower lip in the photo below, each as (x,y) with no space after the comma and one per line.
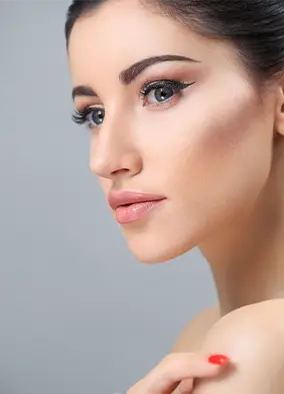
(137,211)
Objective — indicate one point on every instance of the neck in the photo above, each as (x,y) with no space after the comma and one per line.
(247,256)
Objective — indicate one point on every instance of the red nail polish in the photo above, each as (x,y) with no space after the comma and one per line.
(218,359)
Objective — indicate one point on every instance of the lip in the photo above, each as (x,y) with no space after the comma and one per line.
(117,199)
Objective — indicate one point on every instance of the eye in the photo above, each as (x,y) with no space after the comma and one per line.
(92,116)
(162,91)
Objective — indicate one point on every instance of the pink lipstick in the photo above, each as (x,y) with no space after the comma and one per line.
(131,206)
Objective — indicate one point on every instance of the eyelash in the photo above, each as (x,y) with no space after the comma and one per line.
(80,115)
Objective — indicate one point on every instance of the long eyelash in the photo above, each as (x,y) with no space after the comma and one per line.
(80,115)
(175,85)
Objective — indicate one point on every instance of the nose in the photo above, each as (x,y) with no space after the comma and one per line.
(113,153)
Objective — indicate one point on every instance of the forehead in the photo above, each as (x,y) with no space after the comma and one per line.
(120,33)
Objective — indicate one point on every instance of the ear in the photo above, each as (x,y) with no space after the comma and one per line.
(279,109)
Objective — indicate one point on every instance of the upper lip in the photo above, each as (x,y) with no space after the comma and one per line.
(116,199)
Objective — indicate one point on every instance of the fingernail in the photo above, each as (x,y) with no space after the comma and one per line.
(218,359)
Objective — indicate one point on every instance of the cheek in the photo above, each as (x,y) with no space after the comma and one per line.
(216,164)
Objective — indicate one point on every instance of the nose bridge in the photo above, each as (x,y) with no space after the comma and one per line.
(113,149)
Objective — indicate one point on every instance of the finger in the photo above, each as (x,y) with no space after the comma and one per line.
(176,367)
(185,387)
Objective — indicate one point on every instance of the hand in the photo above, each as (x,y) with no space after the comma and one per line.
(176,372)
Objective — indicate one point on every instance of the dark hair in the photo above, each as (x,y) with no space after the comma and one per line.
(255,27)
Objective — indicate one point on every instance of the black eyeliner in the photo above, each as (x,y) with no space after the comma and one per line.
(175,85)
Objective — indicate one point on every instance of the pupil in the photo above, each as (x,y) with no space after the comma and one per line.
(162,94)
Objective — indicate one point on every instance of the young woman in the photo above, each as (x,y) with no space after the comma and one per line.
(185,106)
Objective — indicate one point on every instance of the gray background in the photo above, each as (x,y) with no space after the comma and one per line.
(78,314)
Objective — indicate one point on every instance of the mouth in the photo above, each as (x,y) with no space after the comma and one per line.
(132,205)
(132,212)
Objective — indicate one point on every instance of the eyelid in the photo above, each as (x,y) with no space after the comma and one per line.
(87,106)
(171,80)
(166,71)
(165,81)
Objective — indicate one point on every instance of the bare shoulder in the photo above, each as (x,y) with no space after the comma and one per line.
(195,330)
(253,338)
(264,317)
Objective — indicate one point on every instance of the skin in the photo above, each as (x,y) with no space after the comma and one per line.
(215,150)
(253,336)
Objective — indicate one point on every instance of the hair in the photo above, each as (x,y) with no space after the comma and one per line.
(255,27)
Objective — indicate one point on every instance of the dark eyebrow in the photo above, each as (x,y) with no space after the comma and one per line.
(127,76)
(83,90)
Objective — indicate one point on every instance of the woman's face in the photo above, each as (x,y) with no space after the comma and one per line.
(206,147)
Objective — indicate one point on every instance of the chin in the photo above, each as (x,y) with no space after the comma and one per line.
(155,241)
(159,252)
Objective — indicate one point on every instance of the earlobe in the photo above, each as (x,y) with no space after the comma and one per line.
(279,118)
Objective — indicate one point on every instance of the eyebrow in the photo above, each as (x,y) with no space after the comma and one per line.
(130,74)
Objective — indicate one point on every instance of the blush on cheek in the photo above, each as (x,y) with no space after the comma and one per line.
(228,128)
